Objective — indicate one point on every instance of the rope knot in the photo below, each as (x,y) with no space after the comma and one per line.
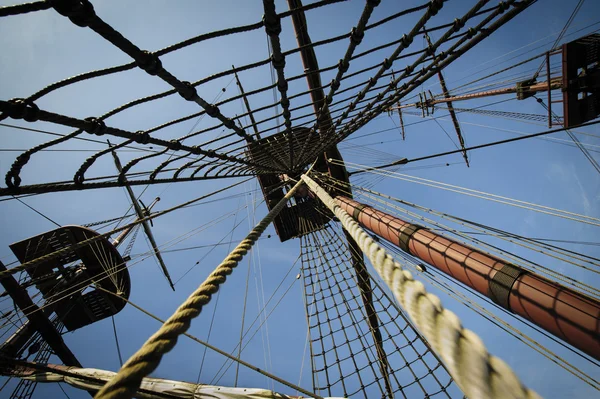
(80,12)
(458,24)
(22,159)
(435,6)
(356,36)
(19,108)
(335,84)
(278,60)
(406,40)
(502,6)
(229,124)
(12,180)
(141,137)
(282,85)
(272,23)
(387,64)
(149,62)
(343,66)
(212,110)
(79,177)
(175,145)
(94,126)
(187,91)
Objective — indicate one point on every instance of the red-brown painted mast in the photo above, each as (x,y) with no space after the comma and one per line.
(569,315)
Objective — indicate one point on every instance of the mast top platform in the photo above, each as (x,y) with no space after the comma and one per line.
(66,279)
(300,216)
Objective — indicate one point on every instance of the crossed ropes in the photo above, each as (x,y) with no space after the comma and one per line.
(348,354)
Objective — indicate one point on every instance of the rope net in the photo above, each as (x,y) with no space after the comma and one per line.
(344,346)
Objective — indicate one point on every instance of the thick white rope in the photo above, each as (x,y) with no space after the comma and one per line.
(127,381)
(477,373)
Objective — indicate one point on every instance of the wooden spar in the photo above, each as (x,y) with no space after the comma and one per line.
(140,213)
(567,314)
(548,77)
(117,241)
(449,104)
(91,380)
(338,170)
(317,94)
(400,114)
(41,322)
(555,83)
(246,103)
(14,346)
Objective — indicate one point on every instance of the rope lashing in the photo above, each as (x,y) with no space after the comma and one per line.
(477,373)
(127,381)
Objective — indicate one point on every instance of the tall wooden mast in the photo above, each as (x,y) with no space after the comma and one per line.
(338,170)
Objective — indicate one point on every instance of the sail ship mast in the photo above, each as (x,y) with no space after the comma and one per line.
(362,341)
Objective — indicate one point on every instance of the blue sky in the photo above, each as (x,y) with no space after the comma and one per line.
(41,48)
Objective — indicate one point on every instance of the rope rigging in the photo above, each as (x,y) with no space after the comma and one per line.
(386,201)
(434,278)
(239,347)
(212,320)
(476,147)
(150,61)
(36,211)
(470,72)
(578,143)
(380,199)
(562,32)
(110,271)
(492,197)
(60,252)
(360,341)
(441,327)
(436,245)
(332,296)
(141,364)
(369,193)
